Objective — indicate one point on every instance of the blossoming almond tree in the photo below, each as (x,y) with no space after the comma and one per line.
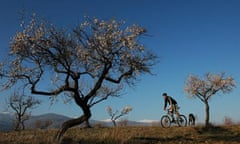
(207,87)
(116,115)
(87,63)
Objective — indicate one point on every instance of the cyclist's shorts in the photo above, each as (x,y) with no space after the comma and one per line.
(175,108)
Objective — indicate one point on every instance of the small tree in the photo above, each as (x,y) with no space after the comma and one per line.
(20,104)
(205,88)
(228,121)
(116,115)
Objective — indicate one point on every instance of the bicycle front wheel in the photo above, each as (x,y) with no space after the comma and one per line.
(165,121)
(182,121)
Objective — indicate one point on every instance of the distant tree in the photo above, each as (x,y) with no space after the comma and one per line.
(228,121)
(21,104)
(205,88)
(87,64)
(116,115)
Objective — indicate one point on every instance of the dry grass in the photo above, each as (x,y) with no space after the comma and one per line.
(129,135)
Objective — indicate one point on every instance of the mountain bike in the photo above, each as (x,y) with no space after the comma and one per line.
(166,120)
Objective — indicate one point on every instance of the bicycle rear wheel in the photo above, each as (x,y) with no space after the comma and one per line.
(165,121)
(182,121)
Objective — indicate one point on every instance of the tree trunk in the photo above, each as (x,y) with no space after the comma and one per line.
(73,122)
(87,124)
(17,125)
(207,114)
(114,123)
(23,126)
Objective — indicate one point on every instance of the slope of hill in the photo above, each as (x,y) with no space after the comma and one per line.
(6,121)
(130,135)
(52,120)
(46,121)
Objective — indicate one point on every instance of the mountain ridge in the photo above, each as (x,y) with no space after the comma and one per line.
(53,120)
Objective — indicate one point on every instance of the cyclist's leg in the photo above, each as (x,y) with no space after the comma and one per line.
(171,114)
(176,110)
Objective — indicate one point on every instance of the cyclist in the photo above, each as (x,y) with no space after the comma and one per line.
(173,105)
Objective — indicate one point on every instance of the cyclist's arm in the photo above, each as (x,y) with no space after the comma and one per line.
(165,104)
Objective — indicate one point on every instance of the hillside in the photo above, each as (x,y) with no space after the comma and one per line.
(129,135)
(52,120)
(44,121)
(6,122)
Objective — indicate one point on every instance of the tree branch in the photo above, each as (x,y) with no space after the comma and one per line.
(128,73)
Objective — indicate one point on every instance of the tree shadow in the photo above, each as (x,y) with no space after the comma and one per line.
(152,140)
(202,135)
(68,140)
(218,133)
(198,135)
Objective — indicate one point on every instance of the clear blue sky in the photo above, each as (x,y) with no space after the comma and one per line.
(189,36)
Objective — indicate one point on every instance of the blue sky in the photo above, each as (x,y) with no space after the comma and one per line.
(189,36)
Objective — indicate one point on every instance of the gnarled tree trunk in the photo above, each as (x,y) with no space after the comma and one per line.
(73,122)
(87,124)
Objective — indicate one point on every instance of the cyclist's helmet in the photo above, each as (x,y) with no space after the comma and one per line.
(164,94)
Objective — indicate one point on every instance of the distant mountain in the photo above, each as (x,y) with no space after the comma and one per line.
(52,120)
(6,122)
(108,122)
(46,121)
